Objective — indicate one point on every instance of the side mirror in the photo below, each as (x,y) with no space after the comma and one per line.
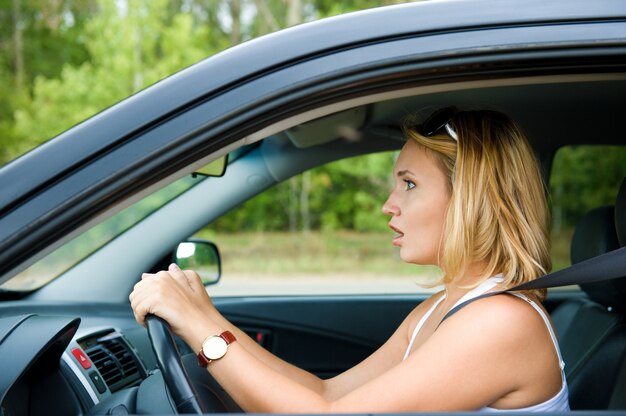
(201,256)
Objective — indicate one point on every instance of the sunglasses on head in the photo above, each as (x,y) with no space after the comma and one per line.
(439,120)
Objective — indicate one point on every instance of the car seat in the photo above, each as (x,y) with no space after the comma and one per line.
(591,329)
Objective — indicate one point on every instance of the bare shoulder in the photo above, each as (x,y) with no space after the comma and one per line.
(508,317)
(495,351)
(418,312)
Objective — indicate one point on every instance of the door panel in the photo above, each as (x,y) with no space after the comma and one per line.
(323,335)
(327,335)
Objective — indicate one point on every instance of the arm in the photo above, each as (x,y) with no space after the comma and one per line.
(292,372)
(380,361)
(442,374)
(338,386)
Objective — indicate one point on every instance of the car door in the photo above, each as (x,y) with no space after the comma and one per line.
(239,96)
(325,335)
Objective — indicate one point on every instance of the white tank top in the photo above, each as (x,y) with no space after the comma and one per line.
(557,403)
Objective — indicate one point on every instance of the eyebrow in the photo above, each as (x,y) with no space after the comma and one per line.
(404,172)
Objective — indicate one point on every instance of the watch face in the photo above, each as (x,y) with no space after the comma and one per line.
(214,348)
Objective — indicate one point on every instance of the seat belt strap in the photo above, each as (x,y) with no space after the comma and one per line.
(467,302)
(607,266)
(611,265)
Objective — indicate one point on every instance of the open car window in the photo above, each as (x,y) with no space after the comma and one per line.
(320,232)
(69,254)
(286,240)
(582,178)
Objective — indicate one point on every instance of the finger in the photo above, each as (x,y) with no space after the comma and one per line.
(147,275)
(162,277)
(194,281)
(134,293)
(138,318)
(140,310)
(143,290)
(137,295)
(141,287)
(178,275)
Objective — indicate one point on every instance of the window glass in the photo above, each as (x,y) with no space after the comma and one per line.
(321,232)
(582,178)
(66,256)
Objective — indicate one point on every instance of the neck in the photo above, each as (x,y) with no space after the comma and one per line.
(464,283)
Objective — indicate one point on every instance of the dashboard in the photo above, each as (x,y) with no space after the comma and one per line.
(77,359)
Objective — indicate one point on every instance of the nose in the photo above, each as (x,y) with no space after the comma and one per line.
(390,207)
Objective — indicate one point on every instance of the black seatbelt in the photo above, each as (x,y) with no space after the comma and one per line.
(607,266)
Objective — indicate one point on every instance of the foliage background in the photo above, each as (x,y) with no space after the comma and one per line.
(62,61)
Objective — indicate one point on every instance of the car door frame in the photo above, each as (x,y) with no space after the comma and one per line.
(117,165)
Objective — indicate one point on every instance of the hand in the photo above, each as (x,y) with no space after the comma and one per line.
(177,296)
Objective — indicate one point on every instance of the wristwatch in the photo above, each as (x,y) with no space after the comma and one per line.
(215,347)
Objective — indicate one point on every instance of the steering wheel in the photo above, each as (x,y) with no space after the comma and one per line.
(177,379)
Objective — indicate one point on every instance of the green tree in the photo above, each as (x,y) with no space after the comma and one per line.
(583,178)
(36,38)
(347,194)
(130,45)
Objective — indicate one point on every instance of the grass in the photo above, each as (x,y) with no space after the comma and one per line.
(315,252)
(321,253)
(341,255)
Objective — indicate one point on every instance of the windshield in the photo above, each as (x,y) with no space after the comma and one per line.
(71,253)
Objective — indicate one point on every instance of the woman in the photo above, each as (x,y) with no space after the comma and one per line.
(469,198)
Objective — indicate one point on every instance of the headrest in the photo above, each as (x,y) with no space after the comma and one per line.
(620,214)
(596,234)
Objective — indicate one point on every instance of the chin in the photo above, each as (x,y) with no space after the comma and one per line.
(416,258)
(409,257)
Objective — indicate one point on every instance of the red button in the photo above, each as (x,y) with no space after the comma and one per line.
(81,358)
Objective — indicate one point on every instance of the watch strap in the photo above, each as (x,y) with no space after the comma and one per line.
(227,336)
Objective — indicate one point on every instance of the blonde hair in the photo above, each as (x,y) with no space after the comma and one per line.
(498,212)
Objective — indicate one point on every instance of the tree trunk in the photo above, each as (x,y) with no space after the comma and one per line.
(293,204)
(52,14)
(268,22)
(137,55)
(235,30)
(304,203)
(18,44)
(294,12)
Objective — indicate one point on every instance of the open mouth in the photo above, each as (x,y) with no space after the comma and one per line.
(398,237)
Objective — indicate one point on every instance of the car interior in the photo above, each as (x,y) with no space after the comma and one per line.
(591,329)
(85,308)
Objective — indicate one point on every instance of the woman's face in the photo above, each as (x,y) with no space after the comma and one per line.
(417,205)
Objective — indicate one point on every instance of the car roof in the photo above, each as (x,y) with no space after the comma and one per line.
(129,149)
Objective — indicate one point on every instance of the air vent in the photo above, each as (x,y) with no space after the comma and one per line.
(115,361)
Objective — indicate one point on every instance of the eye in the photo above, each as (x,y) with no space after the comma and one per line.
(409,184)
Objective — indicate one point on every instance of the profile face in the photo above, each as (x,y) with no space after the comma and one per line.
(417,205)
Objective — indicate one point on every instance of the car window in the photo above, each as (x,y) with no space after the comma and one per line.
(66,256)
(582,178)
(321,232)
